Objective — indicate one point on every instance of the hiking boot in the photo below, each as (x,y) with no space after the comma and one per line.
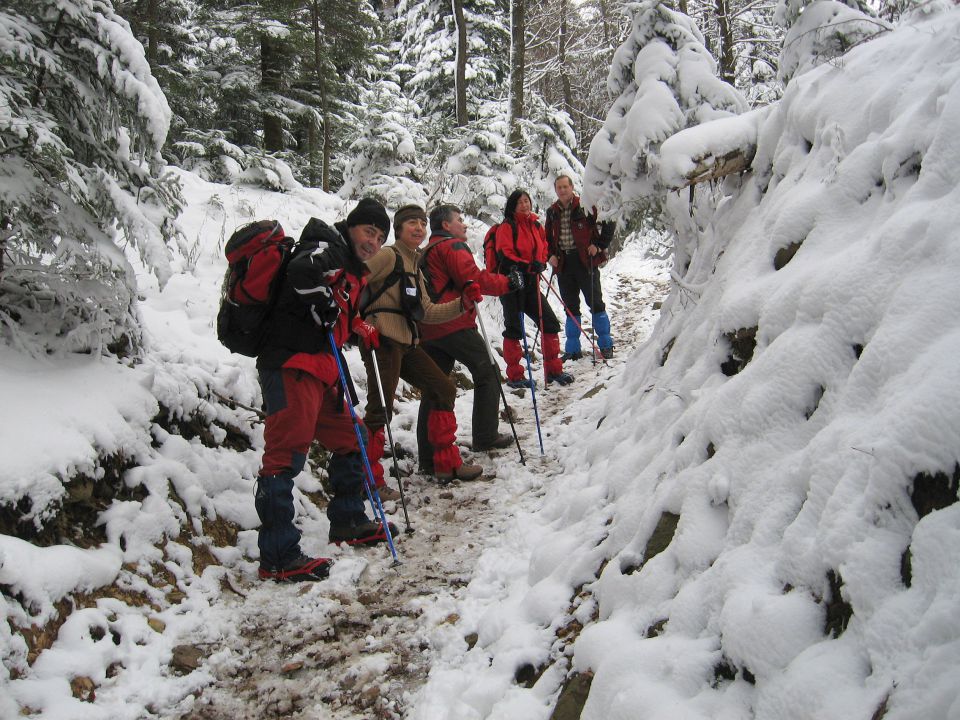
(607,353)
(298,570)
(465,472)
(502,441)
(388,493)
(365,533)
(521,384)
(571,356)
(561,378)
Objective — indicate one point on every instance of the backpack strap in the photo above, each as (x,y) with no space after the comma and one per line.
(388,282)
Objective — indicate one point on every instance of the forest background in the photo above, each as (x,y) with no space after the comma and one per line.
(407,101)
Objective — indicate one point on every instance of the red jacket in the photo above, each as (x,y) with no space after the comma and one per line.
(584,228)
(447,264)
(531,241)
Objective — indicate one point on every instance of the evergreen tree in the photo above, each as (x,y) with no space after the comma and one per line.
(480,171)
(550,145)
(664,80)
(82,124)
(382,160)
(428,47)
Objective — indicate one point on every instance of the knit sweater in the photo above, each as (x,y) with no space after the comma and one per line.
(391,324)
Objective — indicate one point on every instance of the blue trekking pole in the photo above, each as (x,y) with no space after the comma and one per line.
(533,383)
(368,481)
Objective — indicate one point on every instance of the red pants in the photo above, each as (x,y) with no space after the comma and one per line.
(301,408)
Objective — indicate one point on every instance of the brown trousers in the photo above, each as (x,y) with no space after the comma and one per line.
(412,364)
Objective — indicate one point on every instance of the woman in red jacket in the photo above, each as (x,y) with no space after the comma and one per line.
(522,243)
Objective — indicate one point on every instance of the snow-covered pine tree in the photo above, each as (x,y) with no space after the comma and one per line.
(664,80)
(480,172)
(382,160)
(81,127)
(549,143)
(428,47)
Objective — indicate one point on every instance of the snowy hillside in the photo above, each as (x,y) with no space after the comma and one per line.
(760,518)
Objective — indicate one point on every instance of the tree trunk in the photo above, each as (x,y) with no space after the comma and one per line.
(325,115)
(725,40)
(461,73)
(271,82)
(153,32)
(562,59)
(517,69)
(312,150)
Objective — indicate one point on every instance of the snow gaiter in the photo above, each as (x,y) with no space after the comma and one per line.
(601,323)
(375,455)
(513,354)
(442,433)
(278,539)
(346,479)
(551,354)
(572,331)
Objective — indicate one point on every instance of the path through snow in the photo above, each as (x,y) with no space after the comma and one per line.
(360,644)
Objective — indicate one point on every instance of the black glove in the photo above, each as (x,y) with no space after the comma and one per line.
(514,280)
(537,267)
(324,307)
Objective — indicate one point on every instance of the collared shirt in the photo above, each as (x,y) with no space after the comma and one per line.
(565,238)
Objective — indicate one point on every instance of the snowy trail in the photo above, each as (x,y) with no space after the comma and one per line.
(358,645)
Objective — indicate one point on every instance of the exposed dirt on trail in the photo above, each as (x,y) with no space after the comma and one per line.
(357,645)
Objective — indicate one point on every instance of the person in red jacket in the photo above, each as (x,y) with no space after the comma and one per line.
(302,395)
(521,243)
(448,265)
(577,244)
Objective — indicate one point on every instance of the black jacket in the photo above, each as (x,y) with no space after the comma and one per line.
(322,258)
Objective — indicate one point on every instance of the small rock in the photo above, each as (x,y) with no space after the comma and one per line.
(186,658)
(83,689)
(156,624)
(291,667)
(451,619)
(446,495)
(471,640)
(449,516)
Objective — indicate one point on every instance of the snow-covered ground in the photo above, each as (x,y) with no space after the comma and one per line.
(753,514)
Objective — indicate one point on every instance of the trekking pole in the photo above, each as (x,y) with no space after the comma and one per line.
(533,383)
(553,274)
(393,447)
(368,481)
(503,395)
(574,318)
(543,355)
(593,330)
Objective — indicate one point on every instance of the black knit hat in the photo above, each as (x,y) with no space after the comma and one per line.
(369,212)
(407,212)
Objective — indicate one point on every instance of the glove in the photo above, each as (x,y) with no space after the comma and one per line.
(471,296)
(514,280)
(325,317)
(323,307)
(537,267)
(367,333)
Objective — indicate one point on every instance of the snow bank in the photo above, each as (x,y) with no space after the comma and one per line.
(754,475)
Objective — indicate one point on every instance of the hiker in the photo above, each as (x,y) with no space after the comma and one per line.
(448,267)
(577,246)
(395,303)
(302,397)
(520,243)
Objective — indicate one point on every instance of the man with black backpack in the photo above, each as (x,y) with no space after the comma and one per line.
(396,304)
(449,267)
(303,399)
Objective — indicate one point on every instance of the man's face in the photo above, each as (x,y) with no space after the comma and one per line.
(412,233)
(367,240)
(456,226)
(564,189)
